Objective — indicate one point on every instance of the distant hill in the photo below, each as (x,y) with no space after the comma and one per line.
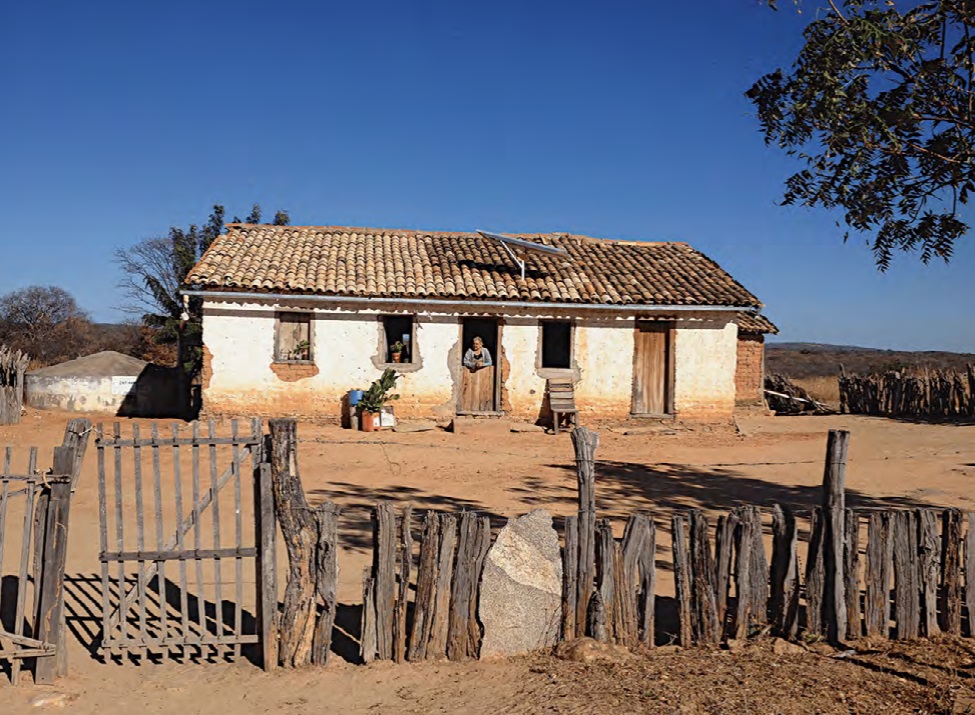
(802,360)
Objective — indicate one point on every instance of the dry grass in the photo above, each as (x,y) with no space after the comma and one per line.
(823,389)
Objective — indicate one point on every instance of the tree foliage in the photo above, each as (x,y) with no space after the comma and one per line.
(47,324)
(155,267)
(880,106)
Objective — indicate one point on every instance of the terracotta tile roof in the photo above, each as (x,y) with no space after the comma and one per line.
(329,260)
(755,323)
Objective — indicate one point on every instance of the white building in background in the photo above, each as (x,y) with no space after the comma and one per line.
(295,317)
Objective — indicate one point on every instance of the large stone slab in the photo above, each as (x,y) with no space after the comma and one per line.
(521,587)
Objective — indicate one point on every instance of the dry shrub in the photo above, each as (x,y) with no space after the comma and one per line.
(822,388)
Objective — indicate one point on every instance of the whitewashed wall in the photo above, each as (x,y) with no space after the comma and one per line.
(240,378)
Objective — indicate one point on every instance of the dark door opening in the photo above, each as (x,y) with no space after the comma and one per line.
(480,387)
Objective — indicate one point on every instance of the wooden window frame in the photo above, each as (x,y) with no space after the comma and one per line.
(277,337)
(415,362)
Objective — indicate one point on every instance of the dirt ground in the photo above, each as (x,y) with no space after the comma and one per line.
(766,461)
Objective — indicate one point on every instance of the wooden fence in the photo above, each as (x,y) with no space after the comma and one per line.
(919,394)
(13,365)
(34,508)
(898,573)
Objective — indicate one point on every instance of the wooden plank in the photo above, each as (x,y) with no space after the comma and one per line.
(217,571)
(368,641)
(650,368)
(648,583)
(703,606)
(907,602)
(267,583)
(834,515)
(951,572)
(384,572)
(402,598)
(50,619)
(606,573)
(122,610)
(326,582)
(228,552)
(784,573)
(682,579)
(743,573)
(477,389)
(157,497)
(878,575)
(482,544)
(239,540)
(570,572)
(426,582)
(758,580)
(816,574)
(929,555)
(197,532)
(184,607)
(851,573)
(622,615)
(724,539)
(25,547)
(970,568)
(585,443)
(181,441)
(140,538)
(636,539)
(440,618)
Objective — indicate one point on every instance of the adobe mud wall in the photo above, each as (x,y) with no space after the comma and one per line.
(243,378)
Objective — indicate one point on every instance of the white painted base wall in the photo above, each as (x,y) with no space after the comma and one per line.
(239,353)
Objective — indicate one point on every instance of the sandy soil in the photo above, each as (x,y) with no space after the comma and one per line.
(770,460)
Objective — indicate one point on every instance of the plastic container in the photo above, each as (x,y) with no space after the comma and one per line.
(355,397)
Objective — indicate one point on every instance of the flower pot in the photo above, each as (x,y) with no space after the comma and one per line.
(367,421)
(397,357)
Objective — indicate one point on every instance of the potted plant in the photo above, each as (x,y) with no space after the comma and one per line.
(375,398)
(396,351)
(302,351)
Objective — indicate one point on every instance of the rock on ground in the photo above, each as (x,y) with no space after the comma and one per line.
(588,650)
(521,587)
(421,426)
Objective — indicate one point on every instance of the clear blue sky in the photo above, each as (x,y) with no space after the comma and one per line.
(619,119)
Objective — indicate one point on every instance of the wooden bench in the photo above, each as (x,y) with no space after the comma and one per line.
(562,401)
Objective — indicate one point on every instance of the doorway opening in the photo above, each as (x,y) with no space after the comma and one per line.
(480,373)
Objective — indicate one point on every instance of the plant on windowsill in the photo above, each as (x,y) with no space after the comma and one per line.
(396,351)
(375,398)
(302,351)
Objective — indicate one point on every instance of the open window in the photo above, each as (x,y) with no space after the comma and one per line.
(556,344)
(293,338)
(398,339)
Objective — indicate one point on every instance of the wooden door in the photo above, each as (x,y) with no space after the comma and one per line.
(480,386)
(651,369)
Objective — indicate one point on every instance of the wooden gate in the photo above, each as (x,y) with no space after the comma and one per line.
(652,369)
(34,506)
(215,597)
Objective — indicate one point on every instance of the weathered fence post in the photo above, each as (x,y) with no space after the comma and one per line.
(426,584)
(570,572)
(834,515)
(326,578)
(585,442)
(265,532)
(682,579)
(607,573)
(50,607)
(384,572)
(703,605)
(785,573)
(405,569)
(877,576)
(907,602)
(724,542)
(13,365)
(929,550)
(951,572)
(851,573)
(306,537)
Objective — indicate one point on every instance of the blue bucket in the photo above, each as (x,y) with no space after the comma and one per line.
(355,396)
